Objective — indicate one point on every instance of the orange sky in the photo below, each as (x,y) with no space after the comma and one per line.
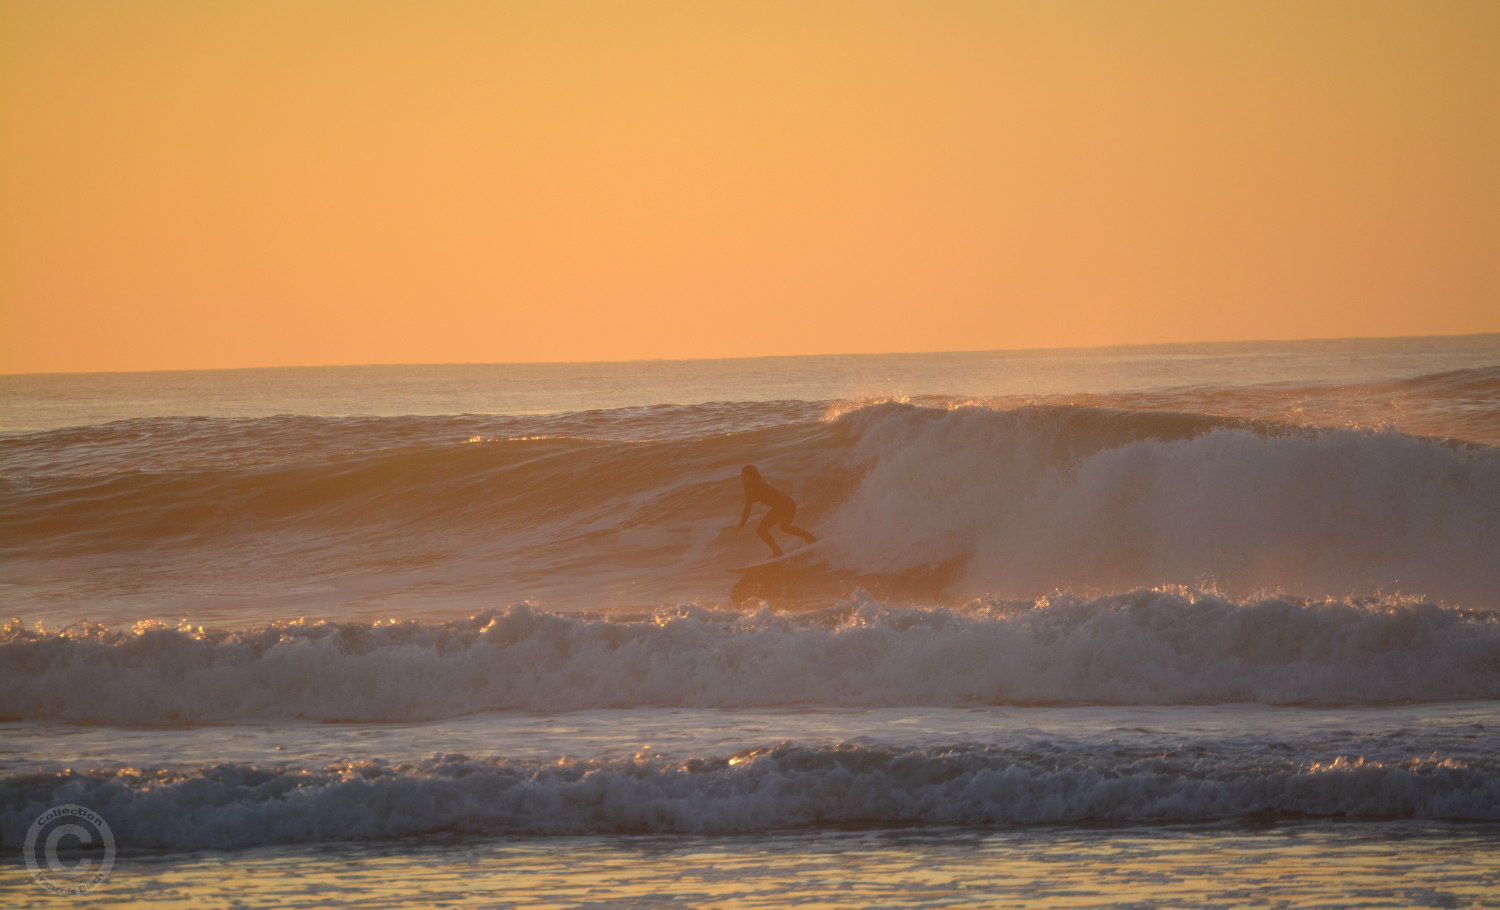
(221,184)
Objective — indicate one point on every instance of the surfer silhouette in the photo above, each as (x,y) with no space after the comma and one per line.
(783,509)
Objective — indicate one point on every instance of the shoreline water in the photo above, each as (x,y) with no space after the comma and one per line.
(1293,864)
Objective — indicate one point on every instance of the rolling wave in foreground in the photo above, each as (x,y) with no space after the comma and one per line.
(766,789)
(1148,647)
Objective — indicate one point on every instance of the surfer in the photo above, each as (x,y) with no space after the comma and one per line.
(783,509)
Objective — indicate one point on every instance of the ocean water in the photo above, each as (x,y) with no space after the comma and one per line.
(1151,626)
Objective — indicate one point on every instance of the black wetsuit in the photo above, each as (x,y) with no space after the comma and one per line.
(783,507)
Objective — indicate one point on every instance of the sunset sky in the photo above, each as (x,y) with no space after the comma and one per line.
(225,184)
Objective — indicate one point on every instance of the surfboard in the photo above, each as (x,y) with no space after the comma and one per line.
(783,557)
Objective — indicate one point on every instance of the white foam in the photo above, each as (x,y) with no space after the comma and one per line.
(788,785)
(1040,499)
(1144,647)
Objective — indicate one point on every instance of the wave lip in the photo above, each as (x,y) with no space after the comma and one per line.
(1142,647)
(786,786)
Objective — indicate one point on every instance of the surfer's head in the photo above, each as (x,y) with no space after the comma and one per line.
(748,472)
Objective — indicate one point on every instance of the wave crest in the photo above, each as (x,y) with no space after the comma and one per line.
(1143,647)
(784,786)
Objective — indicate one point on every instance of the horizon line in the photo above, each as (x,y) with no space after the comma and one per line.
(628,360)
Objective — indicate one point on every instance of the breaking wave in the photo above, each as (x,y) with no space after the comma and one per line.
(789,785)
(1143,647)
(1097,499)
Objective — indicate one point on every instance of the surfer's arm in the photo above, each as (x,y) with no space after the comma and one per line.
(745,513)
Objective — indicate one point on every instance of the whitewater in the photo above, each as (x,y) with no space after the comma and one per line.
(1179,600)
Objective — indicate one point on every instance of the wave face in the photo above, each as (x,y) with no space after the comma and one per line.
(1147,647)
(354,516)
(785,786)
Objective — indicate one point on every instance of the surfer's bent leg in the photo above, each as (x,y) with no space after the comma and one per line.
(773,517)
(787,526)
(800,533)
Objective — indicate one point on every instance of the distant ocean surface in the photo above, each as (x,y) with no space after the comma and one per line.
(1167,626)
